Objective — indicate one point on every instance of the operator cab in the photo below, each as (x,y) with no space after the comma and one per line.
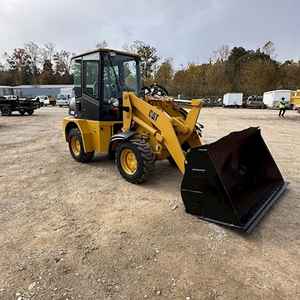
(100,78)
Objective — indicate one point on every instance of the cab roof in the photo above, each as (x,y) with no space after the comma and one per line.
(106,50)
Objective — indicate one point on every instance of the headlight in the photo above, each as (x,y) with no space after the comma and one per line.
(115,102)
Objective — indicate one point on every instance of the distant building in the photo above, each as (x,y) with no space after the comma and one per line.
(6,90)
(42,90)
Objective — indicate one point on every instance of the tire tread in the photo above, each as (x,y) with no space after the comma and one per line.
(148,160)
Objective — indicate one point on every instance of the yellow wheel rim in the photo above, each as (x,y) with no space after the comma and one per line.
(128,161)
(75,145)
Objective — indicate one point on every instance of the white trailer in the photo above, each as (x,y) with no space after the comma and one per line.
(233,100)
(272,98)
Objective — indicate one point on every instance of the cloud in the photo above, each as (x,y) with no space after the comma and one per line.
(187,30)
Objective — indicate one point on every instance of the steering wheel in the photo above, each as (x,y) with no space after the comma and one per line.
(155,90)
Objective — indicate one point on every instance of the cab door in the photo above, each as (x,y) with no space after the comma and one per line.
(90,99)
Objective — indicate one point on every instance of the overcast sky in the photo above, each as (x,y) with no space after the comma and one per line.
(187,30)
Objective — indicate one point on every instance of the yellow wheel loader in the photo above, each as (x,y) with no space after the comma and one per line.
(231,182)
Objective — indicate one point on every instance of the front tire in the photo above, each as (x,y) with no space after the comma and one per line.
(76,147)
(135,160)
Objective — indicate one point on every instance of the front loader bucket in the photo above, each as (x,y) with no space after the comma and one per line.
(233,181)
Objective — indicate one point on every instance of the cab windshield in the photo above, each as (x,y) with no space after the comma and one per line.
(121,73)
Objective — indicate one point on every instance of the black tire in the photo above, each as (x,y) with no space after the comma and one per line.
(81,156)
(22,112)
(6,111)
(30,112)
(145,160)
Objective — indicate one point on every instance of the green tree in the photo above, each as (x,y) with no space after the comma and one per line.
(164,75)
(217,81)
(33,51)
(47,74)
(149,58)
(289,75)
(179,83)
(20,66)
(62,63)
(258,76)
(233,66)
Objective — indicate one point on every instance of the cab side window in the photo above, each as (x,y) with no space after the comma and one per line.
(76,72)
(90,78)
(110,82)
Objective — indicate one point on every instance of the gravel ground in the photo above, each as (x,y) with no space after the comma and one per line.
(75,231)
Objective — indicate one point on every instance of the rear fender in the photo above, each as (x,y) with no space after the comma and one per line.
(82,125)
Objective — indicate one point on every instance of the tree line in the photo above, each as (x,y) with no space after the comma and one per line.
(34,64)
(229,70)
(252,72)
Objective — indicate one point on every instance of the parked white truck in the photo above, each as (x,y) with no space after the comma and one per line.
(233,100)
(272,98)
(63,100)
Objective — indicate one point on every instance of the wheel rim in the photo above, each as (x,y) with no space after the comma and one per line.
(75,146)
(128,161)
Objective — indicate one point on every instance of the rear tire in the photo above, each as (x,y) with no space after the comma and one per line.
(143,159)
(76,147)
(30,112)
(6,111)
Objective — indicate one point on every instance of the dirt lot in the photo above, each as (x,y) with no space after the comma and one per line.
(75,231)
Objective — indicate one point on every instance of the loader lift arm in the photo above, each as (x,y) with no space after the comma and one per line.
(161,125)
